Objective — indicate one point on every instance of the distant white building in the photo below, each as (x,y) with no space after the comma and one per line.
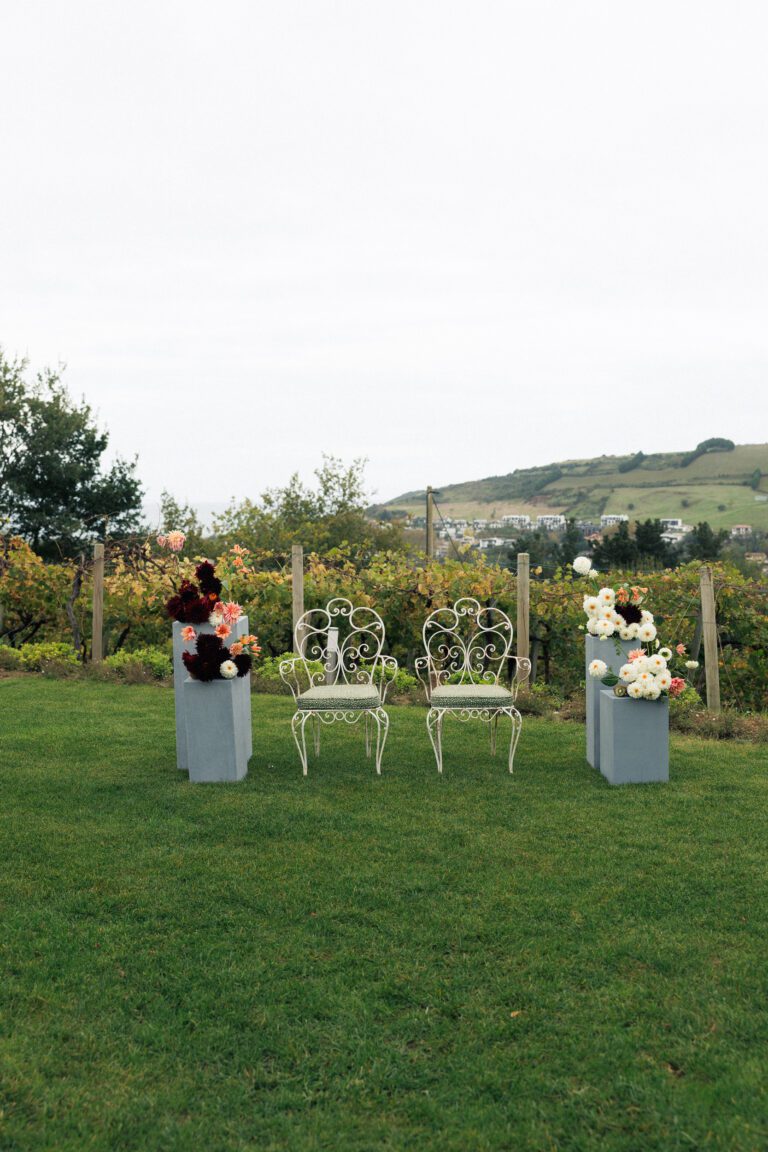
(551,522)
(491,542)
(612,519)
(672,524)
(515,521)
(739,530)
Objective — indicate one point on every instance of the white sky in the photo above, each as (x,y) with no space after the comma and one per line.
(457,238)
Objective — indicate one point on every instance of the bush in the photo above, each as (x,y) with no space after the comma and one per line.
(10,658)
(51,656)
(141,665)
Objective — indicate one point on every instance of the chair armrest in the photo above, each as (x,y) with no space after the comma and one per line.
(386,664)
(289,674)
(421,666)
(522,672)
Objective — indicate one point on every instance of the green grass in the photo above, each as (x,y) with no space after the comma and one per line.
(350,963)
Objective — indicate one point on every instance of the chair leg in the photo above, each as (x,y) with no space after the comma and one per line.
(435,732)
(494,725)
(368,734)
(382,728)
(517,727)
(316,726)
(299,722)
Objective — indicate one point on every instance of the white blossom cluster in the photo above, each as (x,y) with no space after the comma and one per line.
(603,620)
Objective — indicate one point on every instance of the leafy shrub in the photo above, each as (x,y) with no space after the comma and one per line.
(140,665)
(10,658)
(50,656)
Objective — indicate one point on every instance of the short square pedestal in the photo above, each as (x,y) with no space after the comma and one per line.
(242,684)
(605,650)
(217,748)
(634,739)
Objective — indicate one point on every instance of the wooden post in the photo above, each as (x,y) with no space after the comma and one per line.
(297,574)
(709,628)
(430,549)
(523,605)
(97,622)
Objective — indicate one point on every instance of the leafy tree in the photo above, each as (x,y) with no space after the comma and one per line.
(53,491)
(705,544)
(650,546)
(327,516)
(618,550)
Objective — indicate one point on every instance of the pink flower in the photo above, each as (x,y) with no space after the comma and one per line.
(677,685)
(636,653)
(162,541)
(176,541)
(222,631)
(680,649)
(231,612)
(236,648)
(188,634)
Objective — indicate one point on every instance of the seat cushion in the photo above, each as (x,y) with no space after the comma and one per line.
(339,697)
(471,696)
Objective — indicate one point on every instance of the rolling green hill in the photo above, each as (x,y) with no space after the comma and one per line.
(723,486)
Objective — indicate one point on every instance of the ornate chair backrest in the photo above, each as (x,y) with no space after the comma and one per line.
(465,643)
(347,640)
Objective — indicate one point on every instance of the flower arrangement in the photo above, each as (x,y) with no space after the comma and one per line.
(646,675)
(615,611)
(212,660)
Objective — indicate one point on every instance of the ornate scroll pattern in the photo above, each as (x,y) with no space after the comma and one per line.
(469,645)
(356,658)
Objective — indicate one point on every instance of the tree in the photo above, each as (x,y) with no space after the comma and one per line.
(618,550)
(650,545)
(53,491)
(702,543)
(321,518)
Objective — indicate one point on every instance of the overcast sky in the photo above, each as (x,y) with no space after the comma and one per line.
(456,238)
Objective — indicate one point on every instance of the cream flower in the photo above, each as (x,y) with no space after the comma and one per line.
(607,596)
(228,669)
(582,565)
(664,679)
(591,605)
(635,690)
(598,668)
(657,663)
(652,691)
(628,673)
(691,665)
(592,625)
(593,574)
(646,632)
(604,629)
(646,617)
(666,653)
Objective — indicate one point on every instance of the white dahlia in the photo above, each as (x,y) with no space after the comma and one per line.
(646,632)
(635,690)
(582,565)
(228,669)
(598,668)
(628,673)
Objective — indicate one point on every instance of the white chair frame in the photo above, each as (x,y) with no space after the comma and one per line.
(348,642)
(470,644)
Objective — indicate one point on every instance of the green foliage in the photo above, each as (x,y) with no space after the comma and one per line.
(47,656)
(53,491)
(715,444)
(633,462)
(10,658)
(705,544)
(754,480)
(330,515)
(142,663)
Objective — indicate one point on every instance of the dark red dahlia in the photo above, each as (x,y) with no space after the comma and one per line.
(630,613)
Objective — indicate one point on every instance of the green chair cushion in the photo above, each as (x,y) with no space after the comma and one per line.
(339,697)
(471,696)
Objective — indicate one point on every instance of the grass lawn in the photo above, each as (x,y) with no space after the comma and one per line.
(343,962)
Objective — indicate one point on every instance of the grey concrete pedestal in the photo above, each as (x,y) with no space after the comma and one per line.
(605,650)
(215,726)
(634,739)
(242,684)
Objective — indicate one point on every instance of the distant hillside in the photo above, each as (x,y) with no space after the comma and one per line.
(722,486)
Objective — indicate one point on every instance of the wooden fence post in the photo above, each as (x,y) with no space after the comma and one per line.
(297,581)
(523,605)
(709,628)
(430,545)
(97,620)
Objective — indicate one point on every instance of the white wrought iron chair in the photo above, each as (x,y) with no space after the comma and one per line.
(353,678)
(467,647)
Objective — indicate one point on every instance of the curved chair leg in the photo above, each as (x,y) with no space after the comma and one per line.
(494,725)
(517,727)
(382,728)
(299,722)
(316,726)
(435,731)
(368,734)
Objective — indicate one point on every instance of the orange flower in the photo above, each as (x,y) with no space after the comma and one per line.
(222,631)
(236,648)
